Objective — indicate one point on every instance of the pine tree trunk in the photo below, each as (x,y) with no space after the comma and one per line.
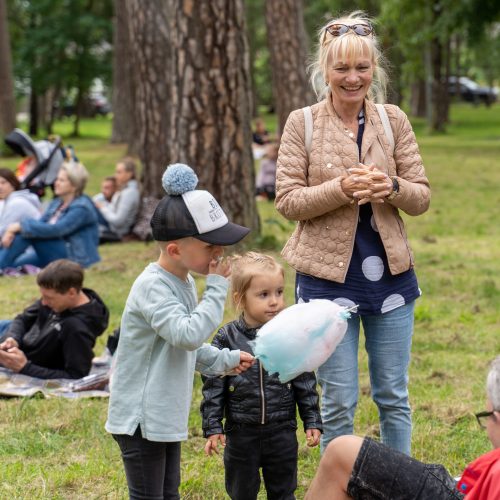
(123,80)
(417,98)
(394,54)
(193,100)
(7,99)
(211,102)
(445,106)
(151,61)
(439,88)
(439,57)
(33,125)
(287,43)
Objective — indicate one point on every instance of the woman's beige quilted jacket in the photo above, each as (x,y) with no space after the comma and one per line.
(308,190)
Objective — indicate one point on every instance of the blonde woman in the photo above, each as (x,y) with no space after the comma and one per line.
(345,188)
(67,230)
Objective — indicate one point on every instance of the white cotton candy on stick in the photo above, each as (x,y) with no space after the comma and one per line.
(300,338)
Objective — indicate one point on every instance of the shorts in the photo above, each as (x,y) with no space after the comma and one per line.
(385,474)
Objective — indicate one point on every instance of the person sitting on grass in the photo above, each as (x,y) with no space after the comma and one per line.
(265,184)
(68,229)
(117,217)
(54,336)
(108,189)
(17,204)
(353,467)
(260,135)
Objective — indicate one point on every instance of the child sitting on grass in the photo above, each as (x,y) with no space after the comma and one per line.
(260,411)
(265,184)
(162,333)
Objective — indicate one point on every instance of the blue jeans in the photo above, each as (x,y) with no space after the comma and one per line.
(45,251)
(388,344)
(4,326)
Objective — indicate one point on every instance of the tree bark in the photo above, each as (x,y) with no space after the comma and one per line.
(418,98)
(123,81)
(33,125)
(151,60)
(193,100)
(7,98)
(287,43)
(440,72)
(439,87)
(393,54)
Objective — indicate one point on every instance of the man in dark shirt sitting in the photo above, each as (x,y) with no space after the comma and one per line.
(54,337)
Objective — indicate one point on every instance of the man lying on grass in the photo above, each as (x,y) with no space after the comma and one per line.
(54,337)
(353,467)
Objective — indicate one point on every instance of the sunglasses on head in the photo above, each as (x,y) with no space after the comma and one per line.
(341,29)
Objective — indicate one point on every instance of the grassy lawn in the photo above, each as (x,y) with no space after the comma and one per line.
(58,449)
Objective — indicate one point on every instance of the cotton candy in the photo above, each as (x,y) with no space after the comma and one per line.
(300,338)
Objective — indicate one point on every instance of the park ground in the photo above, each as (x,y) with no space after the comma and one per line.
(58,449)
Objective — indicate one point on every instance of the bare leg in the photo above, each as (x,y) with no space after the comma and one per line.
(334,470)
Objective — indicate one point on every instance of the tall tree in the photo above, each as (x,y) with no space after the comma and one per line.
(259,55)
(151,58)
(193,100)
(287,42)
(7,98)
(123,79)
(66,49)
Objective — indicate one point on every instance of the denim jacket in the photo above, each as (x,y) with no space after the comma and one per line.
(77,225)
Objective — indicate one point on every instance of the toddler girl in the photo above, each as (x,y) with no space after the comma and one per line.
(260,412)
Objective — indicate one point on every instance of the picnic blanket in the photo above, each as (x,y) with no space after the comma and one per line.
(94,385)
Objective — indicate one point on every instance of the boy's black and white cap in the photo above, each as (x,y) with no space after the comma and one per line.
(186,211)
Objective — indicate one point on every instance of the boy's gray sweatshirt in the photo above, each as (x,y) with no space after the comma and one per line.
(162,337)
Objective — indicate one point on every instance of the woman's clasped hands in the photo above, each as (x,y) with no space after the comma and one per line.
(367,184)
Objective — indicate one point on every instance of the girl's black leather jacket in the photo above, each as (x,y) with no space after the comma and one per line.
(255,396)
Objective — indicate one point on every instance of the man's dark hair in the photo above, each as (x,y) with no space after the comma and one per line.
(61,275)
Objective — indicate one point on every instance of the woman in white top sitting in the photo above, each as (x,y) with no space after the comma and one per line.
(118,216)
(16,204)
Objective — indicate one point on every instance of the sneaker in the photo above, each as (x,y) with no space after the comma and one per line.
(30,269)
(14,272)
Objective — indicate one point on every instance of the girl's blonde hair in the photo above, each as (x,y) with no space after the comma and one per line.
(244,268)
(347,47)
(77,175)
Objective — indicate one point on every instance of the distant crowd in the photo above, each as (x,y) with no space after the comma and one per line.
(71,225)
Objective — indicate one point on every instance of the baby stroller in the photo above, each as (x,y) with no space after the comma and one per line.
(44,158)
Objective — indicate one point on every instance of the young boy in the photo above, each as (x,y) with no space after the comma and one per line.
(162,334)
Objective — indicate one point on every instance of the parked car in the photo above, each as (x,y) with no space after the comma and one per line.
(471,91)
(99,105)
(93,105)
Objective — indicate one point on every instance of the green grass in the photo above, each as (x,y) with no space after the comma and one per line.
(59,449)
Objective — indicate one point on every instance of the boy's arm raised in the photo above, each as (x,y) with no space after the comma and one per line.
(172,320)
